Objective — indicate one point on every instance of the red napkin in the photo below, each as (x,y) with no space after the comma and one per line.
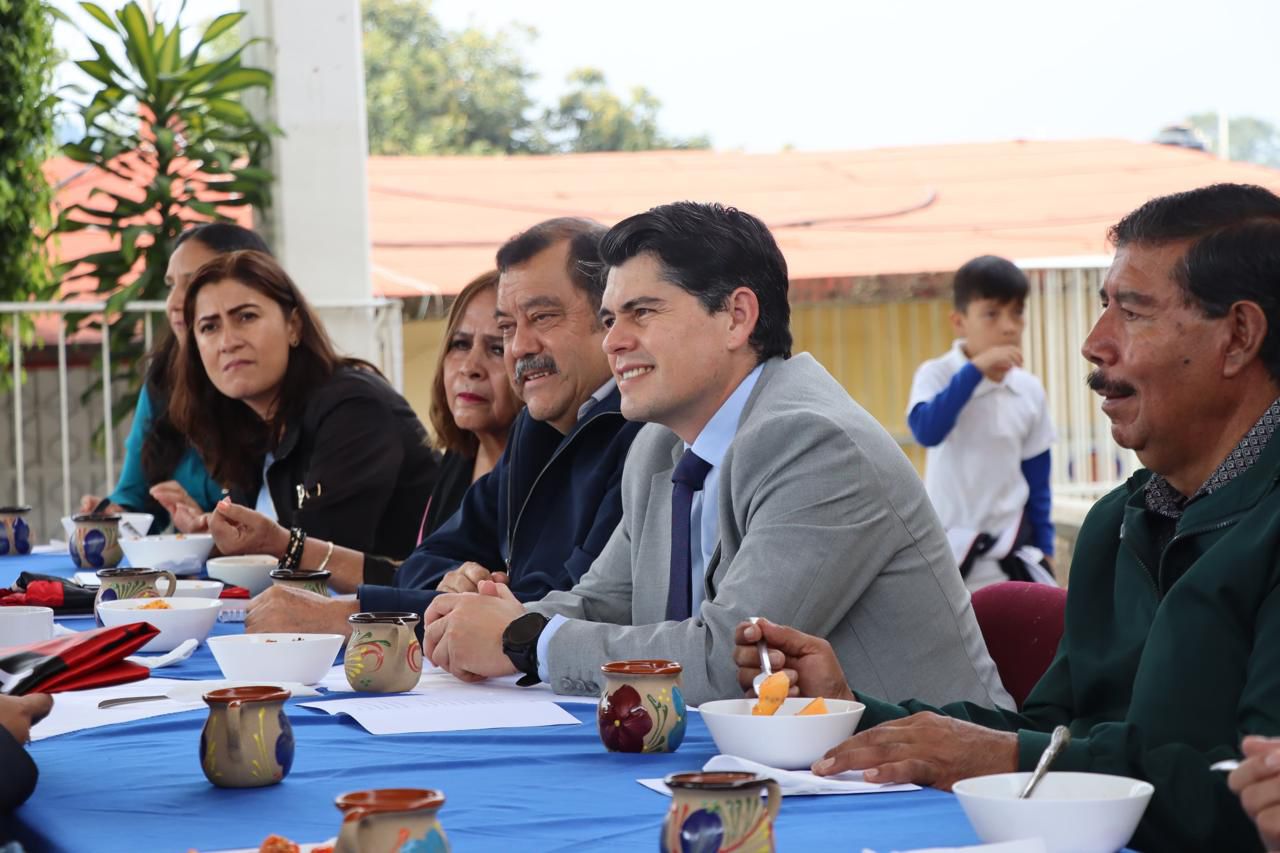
(76,662)
(229,591)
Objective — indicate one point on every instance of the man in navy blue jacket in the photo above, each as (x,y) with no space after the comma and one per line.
(542,515)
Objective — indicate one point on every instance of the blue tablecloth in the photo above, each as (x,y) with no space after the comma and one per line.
(138,786)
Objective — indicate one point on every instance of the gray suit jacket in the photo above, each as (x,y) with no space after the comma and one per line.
(824,525)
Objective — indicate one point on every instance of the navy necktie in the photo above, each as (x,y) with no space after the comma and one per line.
(688,477)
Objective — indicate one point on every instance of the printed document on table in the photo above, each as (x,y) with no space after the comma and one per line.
(437,682)
(403,713)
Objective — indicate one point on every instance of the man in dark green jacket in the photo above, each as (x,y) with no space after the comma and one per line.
(1171,650)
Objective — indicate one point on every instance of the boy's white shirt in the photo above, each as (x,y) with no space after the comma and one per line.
(974,477)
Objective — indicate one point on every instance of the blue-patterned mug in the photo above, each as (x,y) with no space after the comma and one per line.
(95,543)
(713,812)
(247,741)
(15,532)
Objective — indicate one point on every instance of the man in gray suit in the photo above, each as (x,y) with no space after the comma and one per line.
(759,488)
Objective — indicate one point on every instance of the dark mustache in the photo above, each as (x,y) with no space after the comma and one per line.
(1097,381)
(534,364)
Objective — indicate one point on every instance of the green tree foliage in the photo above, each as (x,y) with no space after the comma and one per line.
(430,91)
(589,117)
(167,121)
(26,141)
(1252,140)
(433,91)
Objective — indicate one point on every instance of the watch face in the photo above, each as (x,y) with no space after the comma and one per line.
(525,629)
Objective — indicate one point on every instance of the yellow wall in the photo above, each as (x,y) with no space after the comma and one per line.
(874,350)
(422,339)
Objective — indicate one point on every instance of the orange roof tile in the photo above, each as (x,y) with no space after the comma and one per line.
(437,221)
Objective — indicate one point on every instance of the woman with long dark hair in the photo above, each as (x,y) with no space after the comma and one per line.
(472,408)
(319,442)
(161,469)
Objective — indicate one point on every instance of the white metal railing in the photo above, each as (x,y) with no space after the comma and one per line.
(1062,308)
(370,328)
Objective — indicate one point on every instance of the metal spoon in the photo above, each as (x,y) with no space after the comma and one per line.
(127,700)
(1060,738)
(130,529)
(766,669)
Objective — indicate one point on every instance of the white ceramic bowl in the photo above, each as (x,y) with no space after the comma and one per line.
(251,571)
(180,553)
(184,619)
(140,521)
(305,658)
(1071,812)
(783,740)
(198,589)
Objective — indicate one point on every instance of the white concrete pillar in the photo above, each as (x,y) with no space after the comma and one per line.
(319,221)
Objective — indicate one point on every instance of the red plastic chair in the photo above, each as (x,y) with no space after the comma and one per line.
(1022,624)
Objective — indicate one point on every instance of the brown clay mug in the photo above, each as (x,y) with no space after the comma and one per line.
(15,533)
(247,741)
(712,812)
(390,819)
(317,582)
(114,584)
(95,542)
(383,654)
(642,706)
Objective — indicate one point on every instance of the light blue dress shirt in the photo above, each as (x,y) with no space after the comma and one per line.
(711,445)
(265,504)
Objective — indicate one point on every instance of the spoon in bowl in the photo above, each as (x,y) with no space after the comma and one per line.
(766,668)
(1057,741)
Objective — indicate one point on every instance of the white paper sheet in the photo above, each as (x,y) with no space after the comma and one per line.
(437,682)
(1029,845)
(402,713)
(792,782)
(78,709)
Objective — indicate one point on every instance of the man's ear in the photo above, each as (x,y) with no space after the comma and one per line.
(1247,329)
(744,314)
(957,323)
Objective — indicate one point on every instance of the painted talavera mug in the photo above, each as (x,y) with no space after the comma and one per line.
(15,532)
(247,741)
(95,543)
(317,582)
(114,584)
(383,654)
(402,819)
(642,706)
(712,812)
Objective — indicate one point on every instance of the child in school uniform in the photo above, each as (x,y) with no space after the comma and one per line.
(986,426)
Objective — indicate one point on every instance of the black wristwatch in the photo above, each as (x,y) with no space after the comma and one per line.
(520,644)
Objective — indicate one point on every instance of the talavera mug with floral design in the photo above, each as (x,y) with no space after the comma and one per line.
(247,741)
(642,706)
(95,542)
(401,819)
(15,532)
(713,812)
(383,654)
(115,584)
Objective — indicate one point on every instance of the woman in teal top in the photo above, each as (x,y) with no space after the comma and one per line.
(161,469)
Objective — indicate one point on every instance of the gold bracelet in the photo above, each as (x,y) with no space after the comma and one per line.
(327,554)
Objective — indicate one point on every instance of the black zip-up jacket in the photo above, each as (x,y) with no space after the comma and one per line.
(542,514)
(355,470)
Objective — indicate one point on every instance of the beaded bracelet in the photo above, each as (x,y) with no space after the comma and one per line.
(292,556)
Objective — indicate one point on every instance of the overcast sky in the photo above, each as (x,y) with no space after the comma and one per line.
(820,74)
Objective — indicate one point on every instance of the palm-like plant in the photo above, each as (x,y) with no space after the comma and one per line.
(169,123)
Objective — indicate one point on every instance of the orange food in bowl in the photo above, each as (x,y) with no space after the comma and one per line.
(156,604)
(817,706)
(773,690)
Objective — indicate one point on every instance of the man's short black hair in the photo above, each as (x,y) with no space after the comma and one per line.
(710,250)
(1234,251)
(988,277)
(584,264)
